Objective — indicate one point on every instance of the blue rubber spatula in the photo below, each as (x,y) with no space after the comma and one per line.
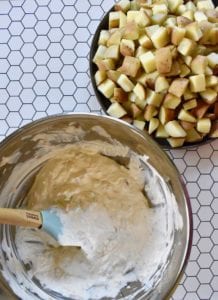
(46,220)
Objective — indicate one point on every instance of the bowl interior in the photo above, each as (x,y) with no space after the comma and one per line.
(137,141)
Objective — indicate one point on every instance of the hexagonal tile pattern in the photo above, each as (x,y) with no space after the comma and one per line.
(44,52)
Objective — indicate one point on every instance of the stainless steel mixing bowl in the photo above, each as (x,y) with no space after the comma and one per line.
(21,147)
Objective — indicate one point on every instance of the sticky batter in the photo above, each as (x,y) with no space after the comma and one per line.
(119,238)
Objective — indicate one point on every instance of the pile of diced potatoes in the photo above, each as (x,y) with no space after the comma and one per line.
(158,65)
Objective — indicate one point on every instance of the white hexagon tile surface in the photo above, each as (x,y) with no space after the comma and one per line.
(44,52)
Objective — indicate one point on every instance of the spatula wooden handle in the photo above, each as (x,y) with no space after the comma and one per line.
(20,217)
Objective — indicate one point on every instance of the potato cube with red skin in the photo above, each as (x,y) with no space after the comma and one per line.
(127,47)
(178,86)
(178,33)
(150,112)
(163,60)
(130,66)
(120,95)
(200,110)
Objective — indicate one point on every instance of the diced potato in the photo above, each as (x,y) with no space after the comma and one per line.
(140,51)
(186,46)
(135,110)
(177,35)
(187,60)
(139,124)
(213,36)
(123,20)
(189,95)
(100,76)
(127,47)
(166,115)
(106,64)
(150,79)
(158,18)
(205,4)
(161,84)
(115,38)
(159,8)
(154,98)
(150,112)
(200,16)
(140,102)
(139,91)
(173,4)
(190,6)
(186,116)
(150,30)
(176,142)
(214,130)
(132,97)
(193,31)
(209,96)
(175,70)
(181,9)
(100,53)
(116,110)
(216,110)
(140,17)
(123,5)
(174,129)
(193,136)
(112,52)
(211,80)
(160,37)
(171,101)
(183,21)
(187,125)
(161,132)
(212,59)
(190,104)
(153,125)
(131,31)
(120,95)
(197,83)
(103,38)
(199,64)
(201,109)
(189,14)
(125,83)
(212,15)
(107,88)
(163,60)
(170,22)
(178,87)
(204,125)
(148,61)
(208,71)
(113,75)
(114,19)
(184,70)
(130,66)
(145,42)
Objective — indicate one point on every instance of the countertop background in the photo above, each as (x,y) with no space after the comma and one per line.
(44,53)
